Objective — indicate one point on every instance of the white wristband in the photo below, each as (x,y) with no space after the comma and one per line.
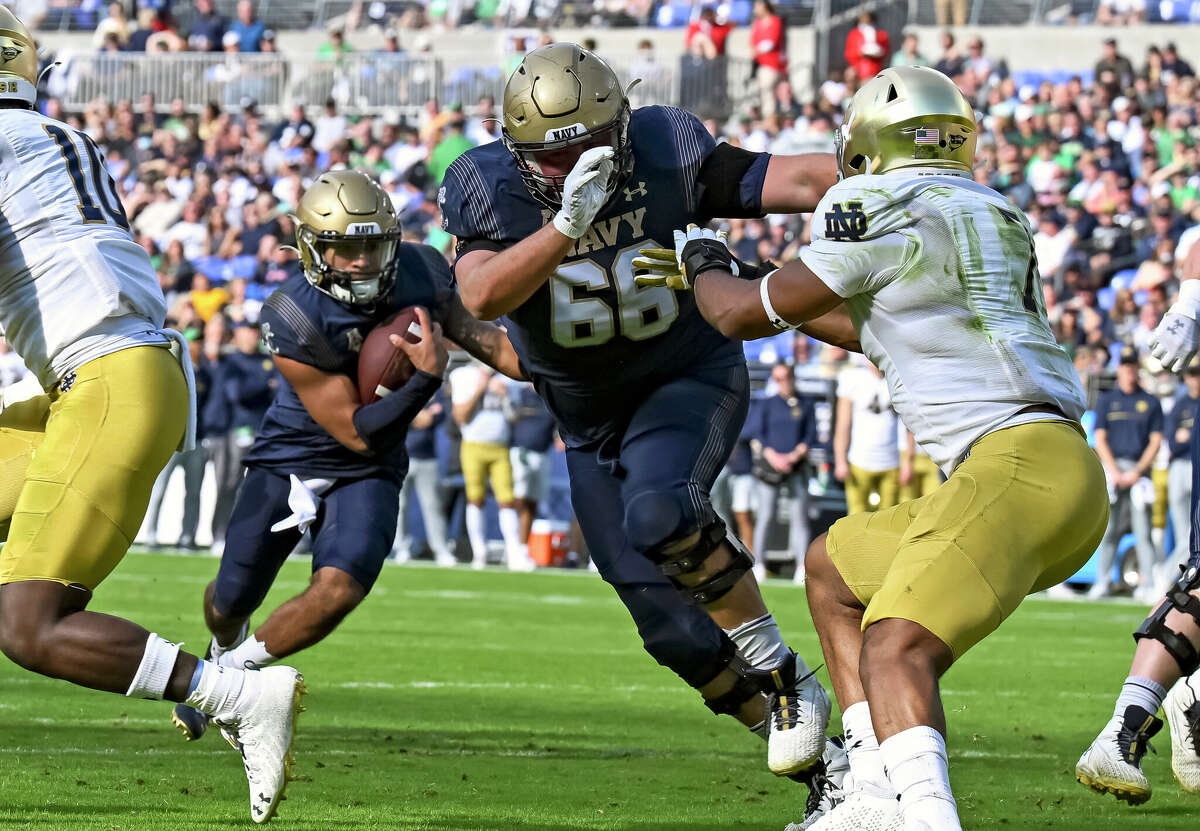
(765,295)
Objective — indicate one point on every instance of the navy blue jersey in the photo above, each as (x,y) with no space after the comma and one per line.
(306,325)
(1129,418)
(1180,423)
(590,336)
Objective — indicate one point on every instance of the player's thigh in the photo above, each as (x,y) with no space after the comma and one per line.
(87,487)
(357,527)
(475,458)
(253,552)
(500,473)
(22,429)
(682,433)
(863,545)
(1023,512)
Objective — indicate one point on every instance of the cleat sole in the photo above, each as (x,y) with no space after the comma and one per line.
(1102,786)
(182,726)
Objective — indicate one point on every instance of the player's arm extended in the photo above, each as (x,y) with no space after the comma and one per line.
(798,296)
(795,184)
(493,283)
(485,341)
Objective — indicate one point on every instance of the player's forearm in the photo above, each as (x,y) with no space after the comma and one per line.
(732,306)
(494,283)
(795,184)
(485,341)
(841,433)
(835,328)
(1105,453)
(382,426)
(1147,460)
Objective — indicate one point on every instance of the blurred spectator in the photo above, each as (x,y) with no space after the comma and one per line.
(424,479)
(146,19)
(532,435)
(484,127)
(114,25)
(947,11)
(1129,424)
(451,146)
(1113,71)
(208,28)
(248,27)
(952,62)
(706,35)
(335,48)
(190,461)
(909,53)
(768,42)
(1120,12)
(867,47)
(481,407)
(1173,66)
(330,127)
(865,446)
(784,432)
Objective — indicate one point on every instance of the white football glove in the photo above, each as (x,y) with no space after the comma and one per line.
(666,267)
(1178,335)
(584,192)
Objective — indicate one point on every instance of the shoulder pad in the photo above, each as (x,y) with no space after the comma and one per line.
(288,329)
(860,208)
(465,199)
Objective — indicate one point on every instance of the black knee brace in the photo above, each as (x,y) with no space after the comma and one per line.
(752,681)
(686,555)
(1179,599)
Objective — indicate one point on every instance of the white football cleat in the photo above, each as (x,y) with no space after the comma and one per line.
(1113,764)
(264,736)
(1183,715)
(797,715)
(825,781)
(862,810)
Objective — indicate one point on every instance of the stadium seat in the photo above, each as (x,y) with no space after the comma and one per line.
(1105,298)
(1123,279)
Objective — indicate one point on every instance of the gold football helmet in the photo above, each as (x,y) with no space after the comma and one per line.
(346,233)
(561,101)
(18,60)
(906,116)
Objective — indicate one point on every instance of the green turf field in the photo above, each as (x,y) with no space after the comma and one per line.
(466,700)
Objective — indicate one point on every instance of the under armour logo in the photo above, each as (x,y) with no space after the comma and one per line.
(848,223)
(67,382)
(640,190)
(1175,327)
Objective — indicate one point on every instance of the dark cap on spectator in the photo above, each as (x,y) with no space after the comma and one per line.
(1110,41)
(1129,356)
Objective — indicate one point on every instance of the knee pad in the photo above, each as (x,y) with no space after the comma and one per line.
(1179,599)
(662,525)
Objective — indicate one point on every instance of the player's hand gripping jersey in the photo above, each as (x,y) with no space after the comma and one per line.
(305,324)
(942,270)
(74,286)
(590,330)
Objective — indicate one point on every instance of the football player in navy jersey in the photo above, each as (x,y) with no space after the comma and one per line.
(648,397)
(322,460)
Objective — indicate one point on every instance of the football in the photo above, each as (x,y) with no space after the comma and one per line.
(382,367)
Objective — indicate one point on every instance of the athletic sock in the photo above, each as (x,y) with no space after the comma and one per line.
(1144,692)
(215,650)
(154,672)
(916,766)
(476,533)
(221,691)
(862,749)
(249,654)
(510,529)
(760,644)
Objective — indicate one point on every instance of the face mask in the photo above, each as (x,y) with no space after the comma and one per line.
(364,291)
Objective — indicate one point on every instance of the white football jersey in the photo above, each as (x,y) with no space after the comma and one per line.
(73,284)
(939,277)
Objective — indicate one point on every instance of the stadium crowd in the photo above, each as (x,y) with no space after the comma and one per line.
(1106,164)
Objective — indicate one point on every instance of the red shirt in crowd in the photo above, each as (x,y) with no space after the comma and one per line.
(767,39)
(871,62)
(716,32)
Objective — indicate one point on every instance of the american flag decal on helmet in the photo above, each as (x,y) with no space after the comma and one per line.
(927,135)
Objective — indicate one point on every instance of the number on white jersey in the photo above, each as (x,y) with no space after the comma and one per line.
(106,189)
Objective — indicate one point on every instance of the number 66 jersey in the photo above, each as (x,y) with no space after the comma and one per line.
(590,338)
(939,277)
(74,286)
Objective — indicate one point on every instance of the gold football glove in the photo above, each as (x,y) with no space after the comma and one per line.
(666,267)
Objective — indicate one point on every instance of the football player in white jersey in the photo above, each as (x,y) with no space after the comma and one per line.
(933,277)
(79,301)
